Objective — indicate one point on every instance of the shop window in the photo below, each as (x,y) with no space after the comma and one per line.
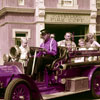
(20,2)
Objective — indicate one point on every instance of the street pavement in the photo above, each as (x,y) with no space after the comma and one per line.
(80,96)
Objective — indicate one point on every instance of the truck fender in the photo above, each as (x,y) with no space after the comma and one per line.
(89,73)
(35,91)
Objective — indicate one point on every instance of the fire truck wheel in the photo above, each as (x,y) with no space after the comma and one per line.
(18,89)
(95,85)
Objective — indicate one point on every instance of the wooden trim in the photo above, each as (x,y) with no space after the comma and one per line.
(16,23)
(16,10)
(98,12)
(98,7)
(83,63)
(58,10)
(28,31)
(97,24)
(67,23)
(98,32)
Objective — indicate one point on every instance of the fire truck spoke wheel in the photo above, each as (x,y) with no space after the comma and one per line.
(95,85)
(18,89)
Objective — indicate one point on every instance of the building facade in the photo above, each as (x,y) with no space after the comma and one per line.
(98,20)
(25,18)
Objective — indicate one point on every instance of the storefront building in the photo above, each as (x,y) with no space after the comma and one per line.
(25,18)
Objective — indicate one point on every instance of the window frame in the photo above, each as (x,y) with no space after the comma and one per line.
(73,5)
(20,31)
(21,2)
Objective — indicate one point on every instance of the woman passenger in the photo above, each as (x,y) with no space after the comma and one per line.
(91,44)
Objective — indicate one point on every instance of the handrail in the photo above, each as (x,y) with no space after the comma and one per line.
(73,64)
(84,53)
(64,56)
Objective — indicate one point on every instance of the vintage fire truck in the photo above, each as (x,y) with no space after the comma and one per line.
(65,76)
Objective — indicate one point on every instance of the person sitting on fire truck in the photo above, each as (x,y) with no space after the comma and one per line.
(91,44)
(44,57)
(68,38)
(82,46)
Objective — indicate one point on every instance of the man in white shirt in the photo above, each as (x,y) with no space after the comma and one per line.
(68,38)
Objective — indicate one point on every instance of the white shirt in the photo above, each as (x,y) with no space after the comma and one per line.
(24,52)
(63,44)
(95,44)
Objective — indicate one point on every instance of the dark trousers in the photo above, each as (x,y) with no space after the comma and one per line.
(39,64)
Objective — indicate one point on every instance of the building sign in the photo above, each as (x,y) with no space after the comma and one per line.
(68,18)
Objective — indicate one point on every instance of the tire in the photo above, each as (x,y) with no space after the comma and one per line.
(18,89)
(95,85)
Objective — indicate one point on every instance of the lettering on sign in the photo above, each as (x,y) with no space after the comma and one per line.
(68,18)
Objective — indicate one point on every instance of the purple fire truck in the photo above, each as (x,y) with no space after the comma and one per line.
(65,76)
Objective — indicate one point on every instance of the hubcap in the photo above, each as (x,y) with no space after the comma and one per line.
(96,85)
(21,92)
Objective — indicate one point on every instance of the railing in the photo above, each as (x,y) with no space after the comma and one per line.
(89,57)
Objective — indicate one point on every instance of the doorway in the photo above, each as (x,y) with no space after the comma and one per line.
(60,29)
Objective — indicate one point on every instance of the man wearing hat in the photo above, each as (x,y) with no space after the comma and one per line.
(46,56)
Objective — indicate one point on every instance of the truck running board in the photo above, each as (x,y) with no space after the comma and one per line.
(72,86)
(61,94)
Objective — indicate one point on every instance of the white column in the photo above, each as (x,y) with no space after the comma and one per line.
(39,19)
(75,4)
(93,4)
(92,26)
(39,26)
(59,3)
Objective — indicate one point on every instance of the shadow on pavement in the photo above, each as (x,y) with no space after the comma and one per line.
(79,96)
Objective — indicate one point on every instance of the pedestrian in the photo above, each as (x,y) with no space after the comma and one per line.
(24,52)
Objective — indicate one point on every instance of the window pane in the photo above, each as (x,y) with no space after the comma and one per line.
(18,41)
(98,38)
(18,38)
(20,35)
(67,2)
(21,2)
